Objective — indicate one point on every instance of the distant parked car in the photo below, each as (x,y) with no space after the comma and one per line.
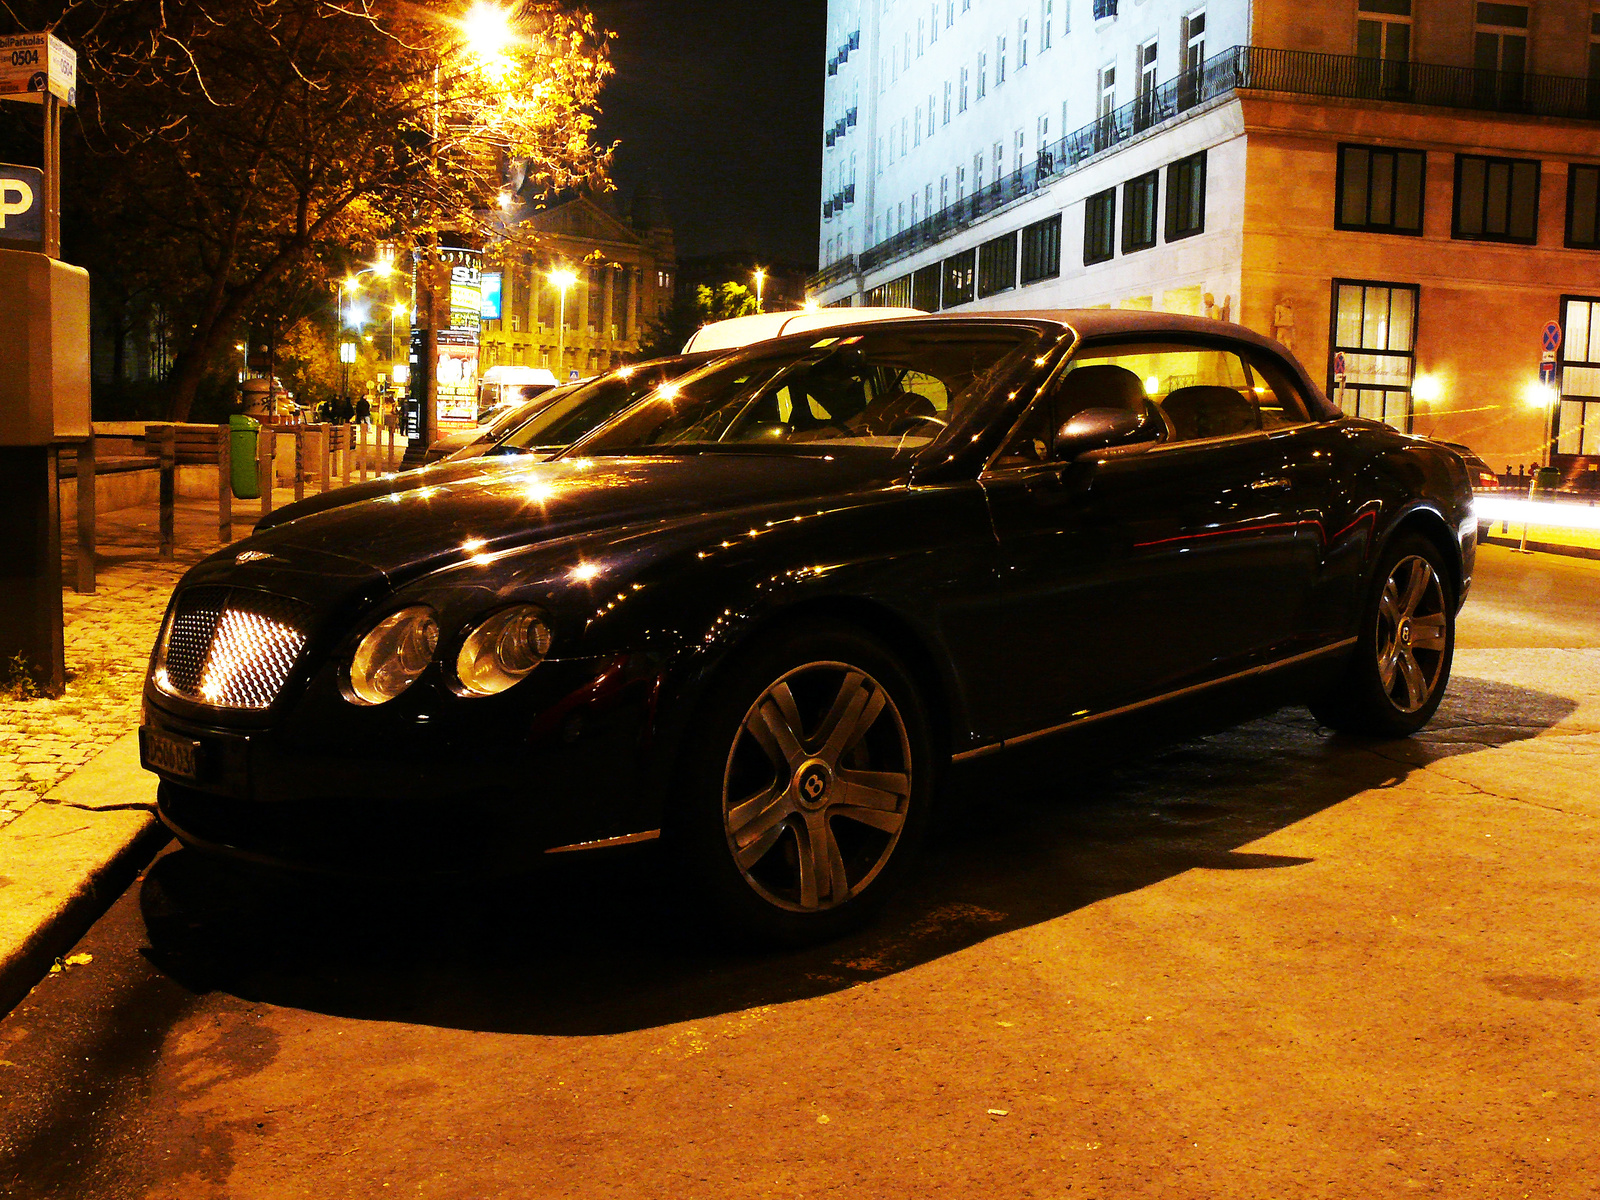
(742,331)
(1482,475)
(498,422)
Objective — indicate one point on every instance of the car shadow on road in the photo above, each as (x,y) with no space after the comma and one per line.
(599,945)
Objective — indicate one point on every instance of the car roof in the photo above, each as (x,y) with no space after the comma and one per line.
(759,327)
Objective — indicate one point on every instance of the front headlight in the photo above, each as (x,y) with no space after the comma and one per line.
(502,649)
(392,655)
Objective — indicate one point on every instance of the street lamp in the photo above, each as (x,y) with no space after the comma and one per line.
(398,310)
(562,279)
(761,278)
(244,362)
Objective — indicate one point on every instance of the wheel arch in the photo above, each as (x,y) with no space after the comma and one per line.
(1430,525)
(876,620)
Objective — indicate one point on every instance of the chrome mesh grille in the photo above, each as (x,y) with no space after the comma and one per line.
(230,647)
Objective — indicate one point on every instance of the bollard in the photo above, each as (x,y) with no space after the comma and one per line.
(346,444)
(167,460)
(363,467)
(224,486)
(327,448)
(86,517)
(300,461)
(266,465)
(388,454)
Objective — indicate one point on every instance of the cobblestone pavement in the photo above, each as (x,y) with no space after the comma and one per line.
(108,638)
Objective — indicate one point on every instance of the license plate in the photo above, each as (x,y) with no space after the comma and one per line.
(171,755)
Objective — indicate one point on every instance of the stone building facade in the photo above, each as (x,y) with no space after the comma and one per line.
(625,276)
(1406,187)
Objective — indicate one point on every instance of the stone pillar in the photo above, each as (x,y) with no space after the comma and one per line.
(606,311)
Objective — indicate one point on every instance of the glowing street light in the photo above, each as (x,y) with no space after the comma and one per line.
(761,278)
(1427,388)
(562,279)
(487,32)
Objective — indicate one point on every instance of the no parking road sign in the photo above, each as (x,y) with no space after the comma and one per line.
(1551,340)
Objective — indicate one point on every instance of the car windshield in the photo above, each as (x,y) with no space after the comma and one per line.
(891,390)
(581,407)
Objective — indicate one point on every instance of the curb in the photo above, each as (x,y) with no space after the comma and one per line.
(1513,543)
(67,859)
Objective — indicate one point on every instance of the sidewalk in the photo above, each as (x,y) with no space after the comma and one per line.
(77,813)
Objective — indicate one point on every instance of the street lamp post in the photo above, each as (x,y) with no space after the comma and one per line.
(562,279)
(761,278)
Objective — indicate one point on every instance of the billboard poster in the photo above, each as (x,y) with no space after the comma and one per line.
(490,309)
(456,378)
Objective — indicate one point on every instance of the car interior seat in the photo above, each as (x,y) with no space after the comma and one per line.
(1208,410)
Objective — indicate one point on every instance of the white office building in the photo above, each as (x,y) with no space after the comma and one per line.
(1409,188)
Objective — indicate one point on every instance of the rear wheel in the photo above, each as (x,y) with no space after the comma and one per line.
(807,786)
(1401,664)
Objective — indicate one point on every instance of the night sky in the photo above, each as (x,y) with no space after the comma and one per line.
(719,102)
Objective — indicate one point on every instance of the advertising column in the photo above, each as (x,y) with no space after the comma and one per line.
(456,364)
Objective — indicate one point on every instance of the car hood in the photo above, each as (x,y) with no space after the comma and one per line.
(452,515)
(430,476)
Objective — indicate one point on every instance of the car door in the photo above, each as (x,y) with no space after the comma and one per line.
(1154,566)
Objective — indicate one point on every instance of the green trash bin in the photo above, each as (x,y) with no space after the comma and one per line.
(242,434)
(1545,481)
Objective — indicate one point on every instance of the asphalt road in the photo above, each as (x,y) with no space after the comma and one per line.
(1267,963)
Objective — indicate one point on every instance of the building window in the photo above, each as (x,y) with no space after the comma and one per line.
(1186,197)
(997,266)
(961,101)
(933,24)
(916,138)
(1383,30)
(1022,42)
(1099,224)
(983,75)
(947,90)
(1379,190)
(1497,199)
(925,288)
(1041,250)
(1594,62)
(1374,327)
(1046,19)
(1108,90)
(959,272)
(999,61)
(930,114)
(1578,415)
(1192,40)
(1583,201)
(1139,212)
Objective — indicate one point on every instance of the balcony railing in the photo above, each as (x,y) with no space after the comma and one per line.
(1297,72)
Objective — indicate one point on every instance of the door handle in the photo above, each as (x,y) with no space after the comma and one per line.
(1262,485)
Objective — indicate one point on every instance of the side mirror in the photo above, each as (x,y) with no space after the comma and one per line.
(1096,429)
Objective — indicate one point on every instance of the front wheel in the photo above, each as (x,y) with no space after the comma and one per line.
(807,786)
(1401,664)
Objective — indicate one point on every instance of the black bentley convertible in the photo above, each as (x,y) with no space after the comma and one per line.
(760,611)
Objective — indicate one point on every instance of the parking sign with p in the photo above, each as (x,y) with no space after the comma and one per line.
(21,207)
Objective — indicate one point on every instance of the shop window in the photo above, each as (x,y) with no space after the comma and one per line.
(1139,212)
(1041,250)
(1497,199)
(1099,226)
(960,271)
(1186,197)
(997,266)
(1380,190)
(1374,328)
(1577,415)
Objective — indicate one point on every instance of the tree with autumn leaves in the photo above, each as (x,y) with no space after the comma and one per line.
(239,148)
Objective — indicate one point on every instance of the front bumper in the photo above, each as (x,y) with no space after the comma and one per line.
(446,787)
